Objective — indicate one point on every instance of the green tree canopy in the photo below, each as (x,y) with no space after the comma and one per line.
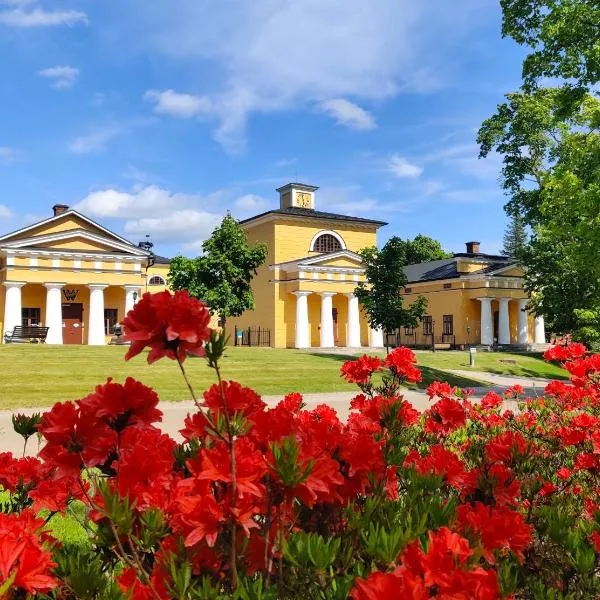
(380,295)
(221,277)
(515,236)
(423,249)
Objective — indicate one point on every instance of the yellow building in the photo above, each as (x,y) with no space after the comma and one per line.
(304,293)
(472,299)
(73,276)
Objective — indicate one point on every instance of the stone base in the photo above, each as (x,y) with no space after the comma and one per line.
(119,341)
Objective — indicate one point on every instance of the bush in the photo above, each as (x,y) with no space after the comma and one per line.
(467,500)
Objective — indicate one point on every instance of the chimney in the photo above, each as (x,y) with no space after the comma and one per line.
(472,247)
(59,209)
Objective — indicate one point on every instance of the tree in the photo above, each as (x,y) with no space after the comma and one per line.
(423,249)
(550,142)
(221,277)
(380,295)
(515,237)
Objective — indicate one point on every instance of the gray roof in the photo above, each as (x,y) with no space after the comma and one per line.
(161,260)
(296,211)
(446,268)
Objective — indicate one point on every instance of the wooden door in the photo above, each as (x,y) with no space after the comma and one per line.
(334,313)
(72,315)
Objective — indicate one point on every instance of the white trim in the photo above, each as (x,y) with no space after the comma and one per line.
(78,233)
(283,216)
(71,212)
(336,235)
(301,262)
(10,252)
(56,263)
(33,261)
(162,280)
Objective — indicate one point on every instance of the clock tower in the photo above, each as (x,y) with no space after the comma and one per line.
(297,195)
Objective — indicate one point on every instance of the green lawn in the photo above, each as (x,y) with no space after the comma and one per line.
(501,363)
(36,375)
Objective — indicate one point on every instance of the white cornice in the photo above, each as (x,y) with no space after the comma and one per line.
(73,255)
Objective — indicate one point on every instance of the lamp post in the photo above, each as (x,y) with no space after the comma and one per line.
(135,295)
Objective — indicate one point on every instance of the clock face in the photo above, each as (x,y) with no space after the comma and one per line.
(303,199)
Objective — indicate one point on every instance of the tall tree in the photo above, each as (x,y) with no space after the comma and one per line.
(423,249)
(550,142)
(221,277)
(515,237)
(380,295)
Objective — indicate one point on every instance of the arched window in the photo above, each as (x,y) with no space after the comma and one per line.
(157,280)
(327,243)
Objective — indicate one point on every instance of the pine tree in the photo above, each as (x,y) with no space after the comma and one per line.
(515,237)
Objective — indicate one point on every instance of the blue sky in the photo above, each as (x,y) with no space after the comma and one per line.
(157,117)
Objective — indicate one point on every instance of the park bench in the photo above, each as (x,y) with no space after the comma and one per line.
(26,333)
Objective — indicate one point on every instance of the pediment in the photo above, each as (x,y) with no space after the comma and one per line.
(79,240)
(510,271)
(343,259)
(69,221)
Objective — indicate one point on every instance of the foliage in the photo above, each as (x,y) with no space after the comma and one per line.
(221,276)
(380,294)
(515,237)
(422,248)
(463,501)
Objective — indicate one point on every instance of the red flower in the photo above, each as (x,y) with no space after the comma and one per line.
(231,397)
(401,362)
(491,400)
(445,416)
(360,370)
(171,325)
(199,515)
(439,389)
(22,555)
(565,353)
(120,406)
(440,462)
(505,446)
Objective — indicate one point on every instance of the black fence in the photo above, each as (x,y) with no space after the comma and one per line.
(252,336)
(417,339)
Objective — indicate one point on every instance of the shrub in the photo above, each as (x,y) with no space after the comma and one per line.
(467,500)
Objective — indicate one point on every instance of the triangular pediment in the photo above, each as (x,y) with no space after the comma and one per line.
(513,270)
(69,221)
(344,259)
(78,240)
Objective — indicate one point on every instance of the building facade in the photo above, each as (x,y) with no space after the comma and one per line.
(74,276)
(304,292)
(473,298)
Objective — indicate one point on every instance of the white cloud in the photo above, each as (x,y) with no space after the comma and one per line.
(349,114)
(175,104)
(39,17)
(286,162)
(400,167)
(5,212)
(7,155)
(177,225)
(251,202)
(94,141)
(62,76)
(367,51)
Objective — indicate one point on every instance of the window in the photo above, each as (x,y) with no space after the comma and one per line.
(427,325)
(157,280)
(31,316)
(448,325)
(447,286)
(409,331)
(110,320)
(407,290)
(327,243)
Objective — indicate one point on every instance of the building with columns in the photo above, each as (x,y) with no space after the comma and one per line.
(473,299)
(304,293)
(74,276)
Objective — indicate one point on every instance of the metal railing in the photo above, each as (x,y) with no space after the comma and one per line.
(252,336)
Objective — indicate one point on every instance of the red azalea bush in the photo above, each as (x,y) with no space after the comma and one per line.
(464,501)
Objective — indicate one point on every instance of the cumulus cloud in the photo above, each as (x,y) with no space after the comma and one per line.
(340,49)
(24,15)
(7,155)
(251,202)
(176,104)
(400,167)
(178,225)
(62,76)
(348,114)
(5,212)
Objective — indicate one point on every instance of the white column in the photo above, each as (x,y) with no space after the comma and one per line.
(302,326)
(503,322)
(539,331)
(376,338)
(487,324)
(353,340)
(327,337)
(96,318)
(54,313)
(523,322)
(12,305)
(130,290)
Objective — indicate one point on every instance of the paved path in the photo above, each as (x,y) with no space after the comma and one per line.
(533,386)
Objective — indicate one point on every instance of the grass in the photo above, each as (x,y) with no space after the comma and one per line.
(501,363)
(36,375)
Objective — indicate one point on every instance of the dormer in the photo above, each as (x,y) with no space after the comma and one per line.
(297,195)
